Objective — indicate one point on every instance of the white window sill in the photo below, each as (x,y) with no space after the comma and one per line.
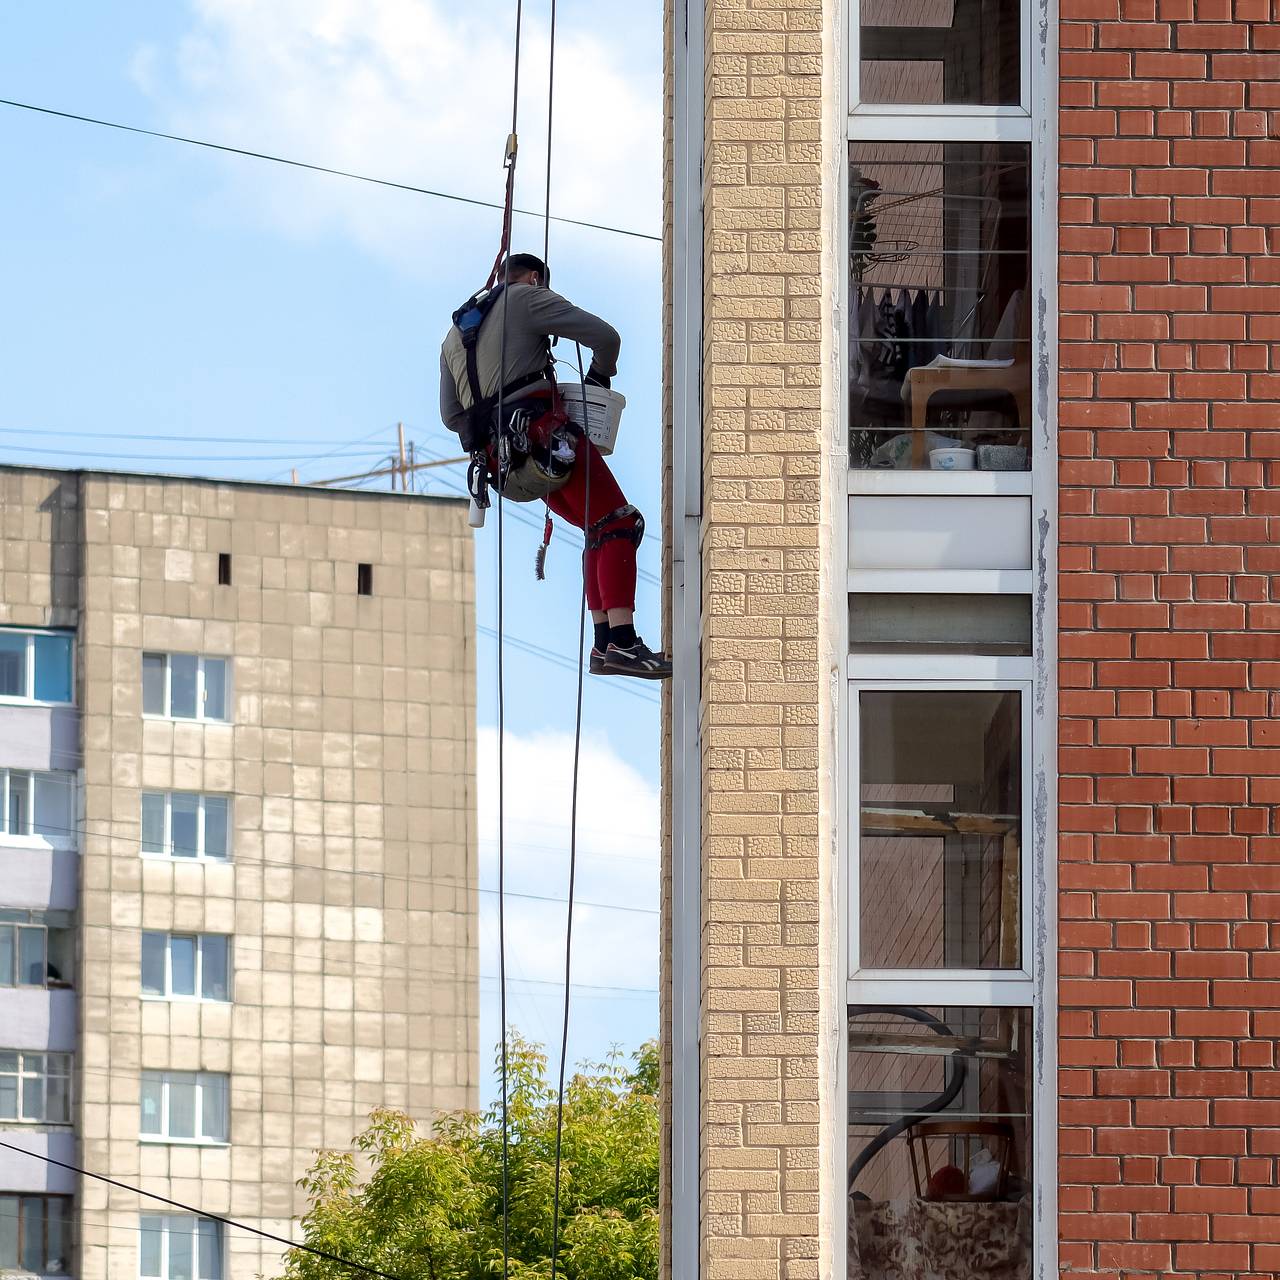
(160,1140)
(39,844)
(44,1124)
(153,715)
(10,700)
(154,999)
(210,860)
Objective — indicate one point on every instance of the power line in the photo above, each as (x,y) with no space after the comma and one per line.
(203,1213)
(185,457)
(319,168)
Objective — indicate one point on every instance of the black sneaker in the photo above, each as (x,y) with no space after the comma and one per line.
(597,662)
(639,661)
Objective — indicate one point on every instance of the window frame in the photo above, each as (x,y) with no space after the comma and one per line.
(978,987)
(165,1231)
(201,660)
(198,998)
(44,927)
(167,854)
(200,1080)
(67,838)
(30,700)
(67,1204)
(44,1076)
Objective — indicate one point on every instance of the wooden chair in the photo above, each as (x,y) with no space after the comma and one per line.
(919,1135)
(980,380)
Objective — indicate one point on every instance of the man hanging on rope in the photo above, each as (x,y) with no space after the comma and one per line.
(513,333)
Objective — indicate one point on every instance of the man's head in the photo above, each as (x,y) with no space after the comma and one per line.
(524,268)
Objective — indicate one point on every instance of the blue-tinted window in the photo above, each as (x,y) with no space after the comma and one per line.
(53,668)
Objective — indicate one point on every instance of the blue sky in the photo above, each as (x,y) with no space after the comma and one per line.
(262,317)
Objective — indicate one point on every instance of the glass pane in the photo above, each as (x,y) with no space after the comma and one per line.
(150,1120)
(153,684)
(33,1233)
(55,807)
(928,52)
(182,965)
(939,1138)
(19,803)
(150,1244)
(214,1107)
(8,1097)
(888,622)
(33,1107)
(8,1231)
(210,1249)
(182,1106)
(181,1247)
(53,668)
(58,1100)
(939,289)
(215,689)
(182,684)
(13,664)
(152,822)
(31,957)
(214,972)
(153,951)
(939,852)
(215,826)
(58,1234)
(184,815)
(8,949)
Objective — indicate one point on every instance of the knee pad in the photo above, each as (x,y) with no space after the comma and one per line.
(633,530)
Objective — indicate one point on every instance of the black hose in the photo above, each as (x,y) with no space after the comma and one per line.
(957,1071)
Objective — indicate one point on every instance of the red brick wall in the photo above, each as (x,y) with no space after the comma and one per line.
(1170,638)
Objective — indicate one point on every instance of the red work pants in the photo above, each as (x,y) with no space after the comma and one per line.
(610,568)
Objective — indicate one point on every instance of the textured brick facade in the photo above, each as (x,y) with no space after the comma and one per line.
(1170,638)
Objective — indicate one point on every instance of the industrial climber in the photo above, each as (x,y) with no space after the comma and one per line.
(539,454)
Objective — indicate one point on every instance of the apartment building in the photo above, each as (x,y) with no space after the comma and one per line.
(971,751)
(237,854)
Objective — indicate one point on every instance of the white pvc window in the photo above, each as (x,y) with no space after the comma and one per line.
(185,686)
(186,966)
(35,1088)
(184,1106)
(38,806)
(179,1246)
(37,949)
(186,824)
(36,666)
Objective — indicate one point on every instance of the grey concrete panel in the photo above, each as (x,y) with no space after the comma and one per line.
(39,737)
(29,1173)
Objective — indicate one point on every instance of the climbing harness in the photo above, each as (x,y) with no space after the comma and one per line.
(599,533)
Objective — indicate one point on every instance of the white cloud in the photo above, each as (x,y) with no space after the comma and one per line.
(415,91)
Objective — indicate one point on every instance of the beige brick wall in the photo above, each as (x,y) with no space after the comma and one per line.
(350,755)
(765,535)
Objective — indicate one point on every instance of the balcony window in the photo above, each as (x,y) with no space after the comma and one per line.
(186,966)
(35,1234)
(184,1106)
(35,666)
(35,1088)
(184,686)
(939,305)
(38,806)
(179,1246)
(37,949)
(185,824)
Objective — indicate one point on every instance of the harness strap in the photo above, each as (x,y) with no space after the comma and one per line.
(597,535)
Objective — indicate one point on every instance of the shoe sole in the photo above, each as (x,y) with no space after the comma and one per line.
(611,670)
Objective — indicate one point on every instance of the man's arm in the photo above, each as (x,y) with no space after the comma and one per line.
(452,414)
(554,317)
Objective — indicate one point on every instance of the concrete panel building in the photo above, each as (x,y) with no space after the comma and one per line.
(972,397)
(237,852)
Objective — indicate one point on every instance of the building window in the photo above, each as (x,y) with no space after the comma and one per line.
(35,1088)
(35,1234)
(35,666)
(184,1106)
(38,806)
(186,824)
(224,568)
(186,966)
(37,949)
(179,1246)
(940,305)
(364,579)
(184,686)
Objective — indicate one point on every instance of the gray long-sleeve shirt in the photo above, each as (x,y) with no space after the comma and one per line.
(534,316)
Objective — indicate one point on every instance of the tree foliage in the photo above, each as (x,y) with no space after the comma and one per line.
(430,1207)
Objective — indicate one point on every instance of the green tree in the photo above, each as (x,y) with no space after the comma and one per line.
(430,1207)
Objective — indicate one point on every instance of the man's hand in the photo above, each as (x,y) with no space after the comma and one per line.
(595,378)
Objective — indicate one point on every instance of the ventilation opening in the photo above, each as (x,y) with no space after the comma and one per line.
(224,568)
(364,579)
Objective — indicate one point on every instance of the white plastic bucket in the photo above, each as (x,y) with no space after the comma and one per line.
(603,412)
